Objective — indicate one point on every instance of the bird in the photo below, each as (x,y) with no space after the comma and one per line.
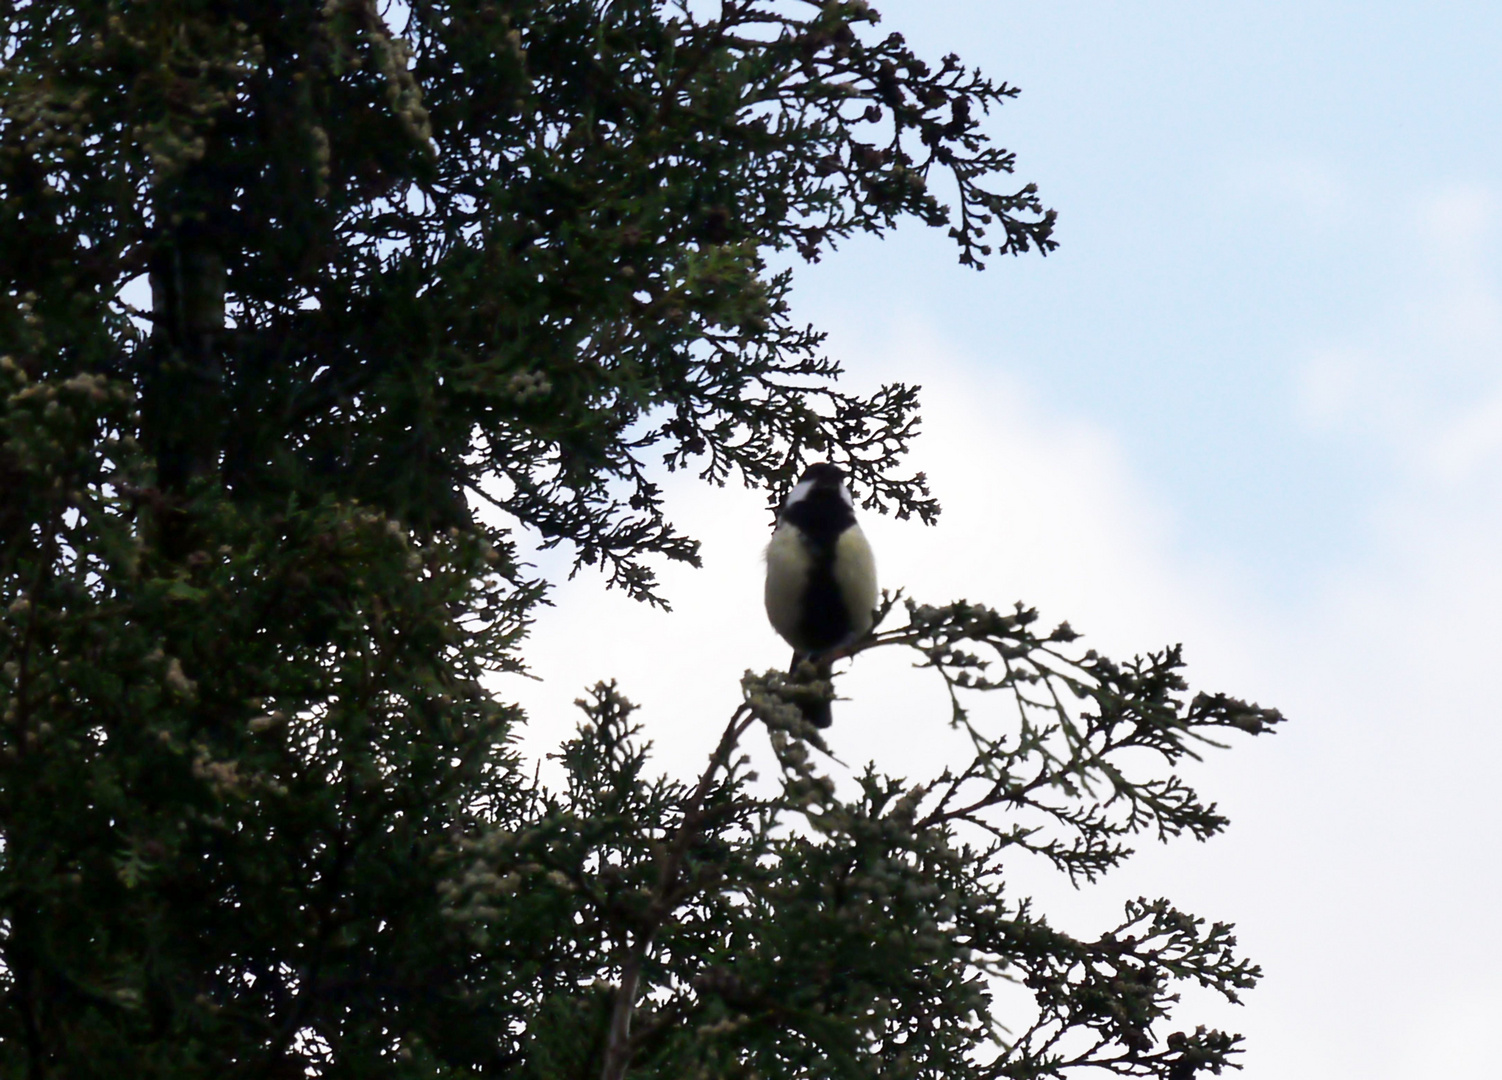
(821,576)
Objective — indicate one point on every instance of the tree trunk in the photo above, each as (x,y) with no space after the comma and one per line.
(182,406)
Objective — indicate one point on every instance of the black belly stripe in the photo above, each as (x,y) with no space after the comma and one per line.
(825,622)
(822,517)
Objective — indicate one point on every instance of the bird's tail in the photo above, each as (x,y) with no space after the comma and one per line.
(806,669)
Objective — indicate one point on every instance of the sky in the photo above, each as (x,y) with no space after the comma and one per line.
(1252,404)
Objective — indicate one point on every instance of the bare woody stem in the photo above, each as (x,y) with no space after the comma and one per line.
(618,1040)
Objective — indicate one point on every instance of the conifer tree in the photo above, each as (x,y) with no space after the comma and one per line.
(306,311)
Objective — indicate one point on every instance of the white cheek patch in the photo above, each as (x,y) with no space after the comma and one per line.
(799,493)
(845,494)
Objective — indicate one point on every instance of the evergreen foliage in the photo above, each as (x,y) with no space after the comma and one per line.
(259,813)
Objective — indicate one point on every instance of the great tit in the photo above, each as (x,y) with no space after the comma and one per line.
(821,578)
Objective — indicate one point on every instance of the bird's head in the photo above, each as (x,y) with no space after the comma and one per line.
(819,481)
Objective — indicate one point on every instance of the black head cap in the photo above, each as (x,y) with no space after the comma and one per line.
(822,474)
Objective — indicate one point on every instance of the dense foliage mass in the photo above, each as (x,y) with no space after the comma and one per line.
(258,812)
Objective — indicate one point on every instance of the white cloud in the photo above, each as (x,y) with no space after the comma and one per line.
(1367,859)
(1451,1037)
